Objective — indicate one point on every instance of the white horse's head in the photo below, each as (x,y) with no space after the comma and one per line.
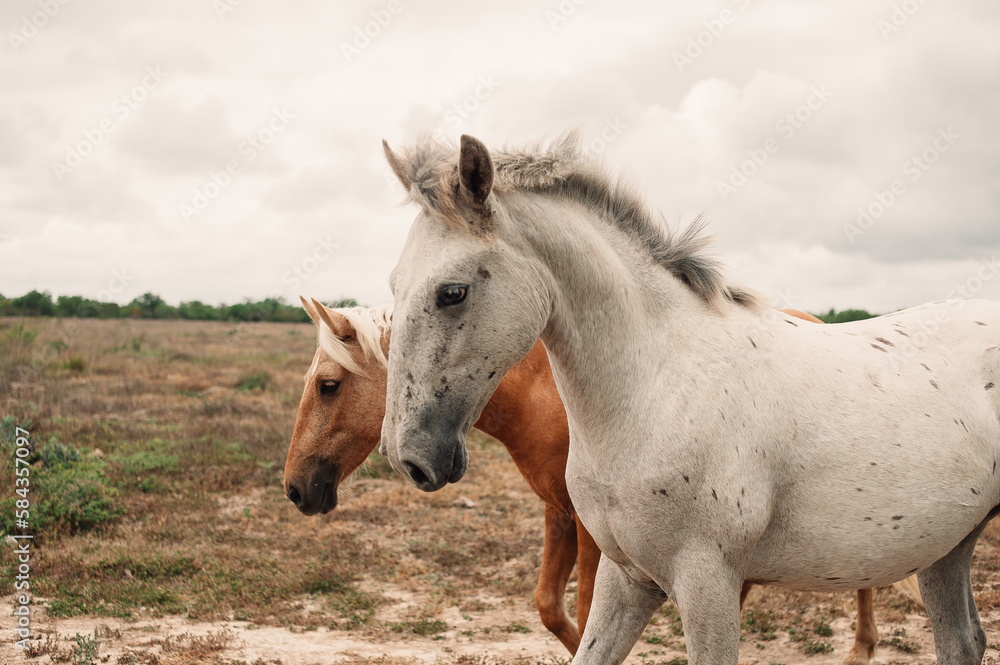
(465,311)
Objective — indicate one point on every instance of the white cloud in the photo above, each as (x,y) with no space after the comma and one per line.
(680,132)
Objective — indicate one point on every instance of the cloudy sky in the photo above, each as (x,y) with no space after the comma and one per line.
(846,152)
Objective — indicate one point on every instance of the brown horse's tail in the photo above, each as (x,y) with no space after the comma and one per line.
(910,589)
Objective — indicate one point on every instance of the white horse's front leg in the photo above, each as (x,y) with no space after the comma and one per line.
(620,612)
(708,597)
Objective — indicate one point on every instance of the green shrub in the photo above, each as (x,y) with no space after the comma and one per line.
(255,381)
(67,490)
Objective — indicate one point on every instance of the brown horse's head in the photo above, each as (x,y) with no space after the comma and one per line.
(339,421)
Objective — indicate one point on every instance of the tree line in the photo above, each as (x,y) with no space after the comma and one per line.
(152,306)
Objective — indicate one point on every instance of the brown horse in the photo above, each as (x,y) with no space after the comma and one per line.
(339,424)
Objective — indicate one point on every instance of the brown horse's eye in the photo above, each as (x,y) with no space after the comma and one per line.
(328,387)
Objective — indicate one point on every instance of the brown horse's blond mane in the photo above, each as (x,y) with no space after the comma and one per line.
(560,168)
(369,325)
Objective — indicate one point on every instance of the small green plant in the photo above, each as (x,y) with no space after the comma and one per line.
(515,627)
(423,626)
(823,628)
(85,650)
(762,623)
(811,648)
(654,639)
(136,342)
(75,364)
(255,381)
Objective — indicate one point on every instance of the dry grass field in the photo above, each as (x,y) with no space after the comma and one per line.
(163,535)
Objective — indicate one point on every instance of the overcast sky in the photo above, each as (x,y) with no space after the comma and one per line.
(221,150)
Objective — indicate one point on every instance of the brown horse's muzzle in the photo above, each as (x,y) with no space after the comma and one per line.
(316,492)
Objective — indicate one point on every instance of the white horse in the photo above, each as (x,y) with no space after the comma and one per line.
(712,440)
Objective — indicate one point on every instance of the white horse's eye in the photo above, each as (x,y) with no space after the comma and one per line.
(451,294)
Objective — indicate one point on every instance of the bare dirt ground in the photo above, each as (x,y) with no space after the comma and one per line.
(203,560)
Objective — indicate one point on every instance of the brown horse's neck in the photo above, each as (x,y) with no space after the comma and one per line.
(526,415)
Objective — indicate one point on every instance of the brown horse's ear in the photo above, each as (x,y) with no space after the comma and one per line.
(310,310)
(335,321)
(395,165)
(475,169)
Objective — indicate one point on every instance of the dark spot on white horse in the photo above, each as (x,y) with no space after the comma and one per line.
(876,346)
(720,546)
(934,383)
(686,479)
(926,367)
(743,491)
(980,323)
(897,517)
(865,579)
(973,490)
(461,325)
(592,643)
(664,492)
(962,422)
(483,272)
(409,393)
(444,380)
(902,333)
(490,375)
(883,340)
(792,322)
(895,526)
(859,489)
(874,464)
(910,572)
(714,495)
(994,467)
(988,386)
(832,579)
(928,415)
(752,342)
(409,377)
(868,519)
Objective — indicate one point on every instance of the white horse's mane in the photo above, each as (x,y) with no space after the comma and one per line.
(559,167)
(370,324)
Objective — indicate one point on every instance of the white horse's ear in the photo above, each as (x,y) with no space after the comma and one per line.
(310,310)
(395,165)
(475,169)
(335,321)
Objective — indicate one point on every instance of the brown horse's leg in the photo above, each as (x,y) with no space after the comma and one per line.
(866,636)
(586,570)
(558,559)
(743,593)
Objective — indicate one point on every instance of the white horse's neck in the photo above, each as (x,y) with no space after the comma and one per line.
(616,315)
